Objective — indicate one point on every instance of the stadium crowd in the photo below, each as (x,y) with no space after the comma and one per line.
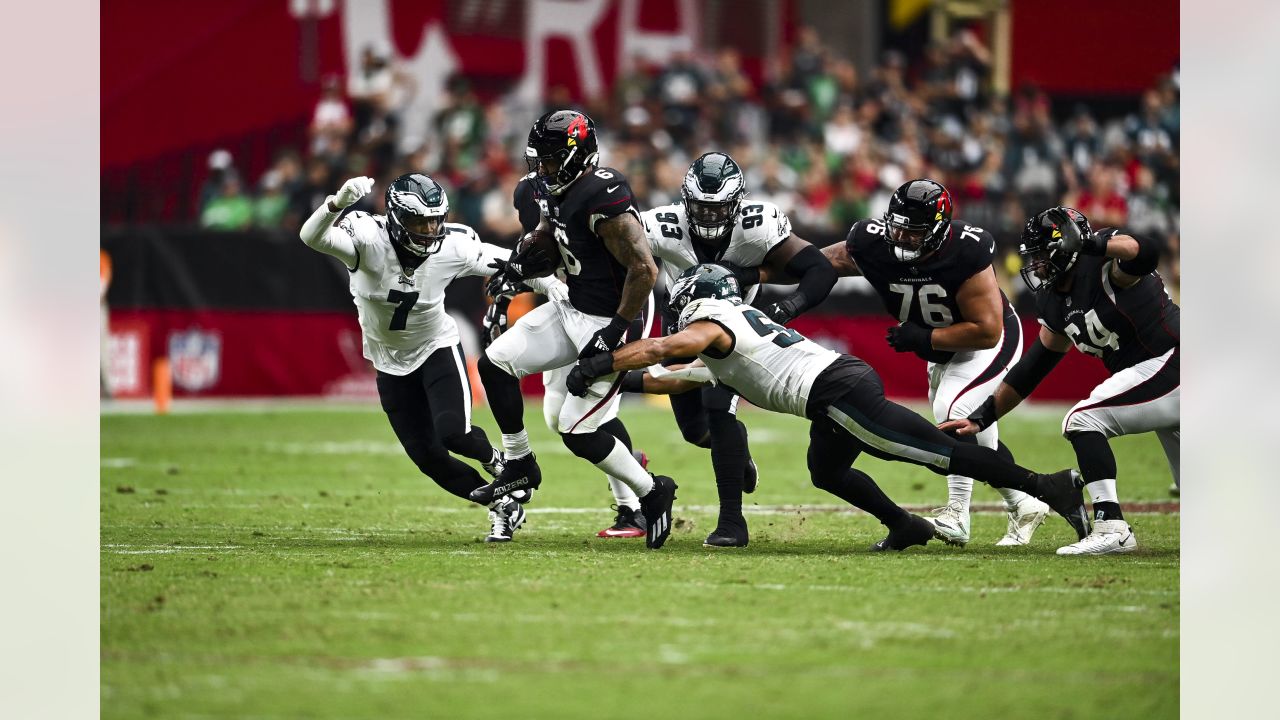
(821,140)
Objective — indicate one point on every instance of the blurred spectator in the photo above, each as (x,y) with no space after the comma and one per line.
(1101,200)
(331,118)
(827,144)
(271,205)
(230,210)
(221,167)
(679,88)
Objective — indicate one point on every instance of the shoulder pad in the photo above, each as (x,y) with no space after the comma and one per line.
(462,240)
(363,227)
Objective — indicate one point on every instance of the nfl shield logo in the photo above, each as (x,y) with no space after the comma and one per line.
(194,356)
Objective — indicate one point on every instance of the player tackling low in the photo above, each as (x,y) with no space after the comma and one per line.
(934,274)
(715,222)
(400,266)
(778,369)
(1099,291)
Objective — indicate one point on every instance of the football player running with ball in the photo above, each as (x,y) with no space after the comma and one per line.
(601,245)
(628,521)
(400,266)
(778,369)
(934,275)
(1100,292)
(715,223)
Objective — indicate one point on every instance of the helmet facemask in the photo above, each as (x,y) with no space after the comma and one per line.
(712,192)
(417,224)
(702,282)
(918,219)
(1044,266)
(913,240)
(557,156)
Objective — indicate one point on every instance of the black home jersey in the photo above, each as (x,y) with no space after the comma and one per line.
(594,276)
(1122,326)
(922,292)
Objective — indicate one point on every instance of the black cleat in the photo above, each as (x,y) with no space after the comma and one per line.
(750,477)
(519,476)
(656,507)
(726,538)
(915,531)
(1061,491)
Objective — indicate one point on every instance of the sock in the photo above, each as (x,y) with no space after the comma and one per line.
(623,495)
(515,445)
(505,400)
(729,462)
(615,428)
(959,491)
(1106,503)
(622,465)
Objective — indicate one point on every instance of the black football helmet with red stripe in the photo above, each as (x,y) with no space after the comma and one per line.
(562,145)
(919,219)
(1044,264)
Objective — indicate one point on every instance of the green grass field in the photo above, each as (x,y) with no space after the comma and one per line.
(295,564)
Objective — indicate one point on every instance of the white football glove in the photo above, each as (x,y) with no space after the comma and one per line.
(557,291)
(351,191)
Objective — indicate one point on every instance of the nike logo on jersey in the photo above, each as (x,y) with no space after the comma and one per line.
(611,189)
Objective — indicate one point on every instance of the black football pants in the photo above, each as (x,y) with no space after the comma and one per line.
(430,412)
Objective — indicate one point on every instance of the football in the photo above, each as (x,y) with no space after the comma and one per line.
(536,254)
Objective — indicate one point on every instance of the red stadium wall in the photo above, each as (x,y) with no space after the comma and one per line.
(221,353)
(1068,47)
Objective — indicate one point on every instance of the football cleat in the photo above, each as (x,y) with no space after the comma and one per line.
(915,531)
(656,507)
(1061,491)
(726,538)
(952,524)
(1024,518)
(750,477)
(505,516)
(494,466)
(517,474)
(629,523)
(1108,536)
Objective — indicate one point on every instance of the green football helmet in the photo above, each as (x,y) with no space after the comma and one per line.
(703,281)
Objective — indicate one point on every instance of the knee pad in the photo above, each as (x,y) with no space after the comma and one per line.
(1085,421)
(593,447)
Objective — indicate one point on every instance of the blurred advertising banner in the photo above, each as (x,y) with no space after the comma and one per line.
(258,313)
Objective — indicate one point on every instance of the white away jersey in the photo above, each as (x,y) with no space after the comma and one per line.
(758,228)
(772,366)
(402,315)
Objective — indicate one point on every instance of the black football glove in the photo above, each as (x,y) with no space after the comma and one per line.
(607,339)
(505,281)
(985,416)
(786,309)
(1072,239)
(909,337)
(586,371)
(495,321)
